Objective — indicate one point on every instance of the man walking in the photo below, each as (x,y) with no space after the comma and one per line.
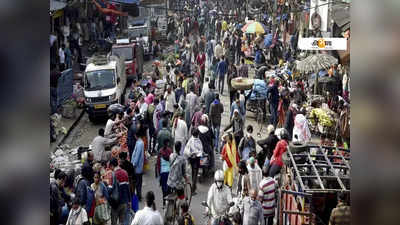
(222,68)
(216,110)
(266,192)
(119,209)
(138,161)
(252,209)
(273,98)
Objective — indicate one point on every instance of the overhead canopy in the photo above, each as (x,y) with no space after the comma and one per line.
(341,16)
(126,1)
(56,5)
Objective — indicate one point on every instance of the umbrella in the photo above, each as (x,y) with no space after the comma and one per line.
(254,27)
(116,108)
(317,62)
(314,63)
(213,12)
(268,40)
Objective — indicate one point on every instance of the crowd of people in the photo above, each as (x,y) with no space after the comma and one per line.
(180,126)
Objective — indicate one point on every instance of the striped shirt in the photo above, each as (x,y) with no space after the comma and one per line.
(267,194)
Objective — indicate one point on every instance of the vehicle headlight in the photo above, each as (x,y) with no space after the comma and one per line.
(113,96)
(88,100)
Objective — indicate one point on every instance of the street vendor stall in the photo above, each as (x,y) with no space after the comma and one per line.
(316,63)
(309,183)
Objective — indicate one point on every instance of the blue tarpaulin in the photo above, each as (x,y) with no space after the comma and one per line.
(268,40)
(64,88)
(259,90)
(126,1)
(320,74)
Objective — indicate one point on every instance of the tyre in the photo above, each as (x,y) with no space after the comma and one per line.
(188,193)
(297,147)
(92,119)
(169,212)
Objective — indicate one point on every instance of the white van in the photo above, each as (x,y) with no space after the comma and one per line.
(104,84)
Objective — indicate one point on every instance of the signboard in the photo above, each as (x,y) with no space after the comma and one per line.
(322,43)
(65,87)
(319,8)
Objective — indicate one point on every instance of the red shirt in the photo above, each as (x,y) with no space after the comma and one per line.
(201,59)
(112,17)
(280,148)
(121,175)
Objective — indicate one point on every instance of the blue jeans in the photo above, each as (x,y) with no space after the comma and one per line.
(273,107)
(216,136)
(221,81)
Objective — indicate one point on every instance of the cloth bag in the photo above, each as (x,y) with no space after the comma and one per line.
(102,213)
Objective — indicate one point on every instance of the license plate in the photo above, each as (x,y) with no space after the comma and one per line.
(100,106)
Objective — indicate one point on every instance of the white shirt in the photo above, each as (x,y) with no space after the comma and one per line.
(170,101)
(143,108)
(61,54)
(255,176)
(181,131)
(98,146)
(81,217)
(218,200)
(53,38)
(147,216)
(109,126)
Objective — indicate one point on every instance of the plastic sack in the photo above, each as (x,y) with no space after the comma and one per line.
(135,203)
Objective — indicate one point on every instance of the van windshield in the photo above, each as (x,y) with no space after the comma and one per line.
(126,52)
(99,79)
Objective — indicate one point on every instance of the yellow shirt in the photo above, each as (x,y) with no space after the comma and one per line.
(184,84)
(224,25)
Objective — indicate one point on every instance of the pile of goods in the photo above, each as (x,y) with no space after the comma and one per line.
(322,120)
(160,87)
(241,83)
(67,159)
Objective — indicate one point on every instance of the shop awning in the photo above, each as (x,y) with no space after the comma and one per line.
(341,16)
(56,5)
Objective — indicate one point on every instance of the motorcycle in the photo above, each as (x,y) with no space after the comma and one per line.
(204,170)
(226,219)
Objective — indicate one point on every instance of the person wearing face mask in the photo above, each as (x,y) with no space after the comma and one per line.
(252,209)
(247,144)
(255,173)
(219,196)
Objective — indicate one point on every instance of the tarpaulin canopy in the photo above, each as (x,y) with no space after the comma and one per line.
(56,5)
(126,1)
(268,40)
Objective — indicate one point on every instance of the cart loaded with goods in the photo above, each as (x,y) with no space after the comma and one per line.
(322,121)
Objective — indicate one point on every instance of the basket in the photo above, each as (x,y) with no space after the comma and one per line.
(240,83)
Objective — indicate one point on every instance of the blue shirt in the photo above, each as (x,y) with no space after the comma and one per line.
(138,156)
(222,68)
(164,166)
(273,94)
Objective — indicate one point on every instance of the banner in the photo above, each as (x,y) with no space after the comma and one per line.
(322,43)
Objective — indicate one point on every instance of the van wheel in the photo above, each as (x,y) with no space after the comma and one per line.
(122,98)
(92,119)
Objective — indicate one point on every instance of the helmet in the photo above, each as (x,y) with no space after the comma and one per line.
(219,176)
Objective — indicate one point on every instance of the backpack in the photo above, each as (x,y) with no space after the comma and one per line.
(188,219)
(90,199)
(114,195)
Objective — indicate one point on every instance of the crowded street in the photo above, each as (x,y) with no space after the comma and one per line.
(211,114)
